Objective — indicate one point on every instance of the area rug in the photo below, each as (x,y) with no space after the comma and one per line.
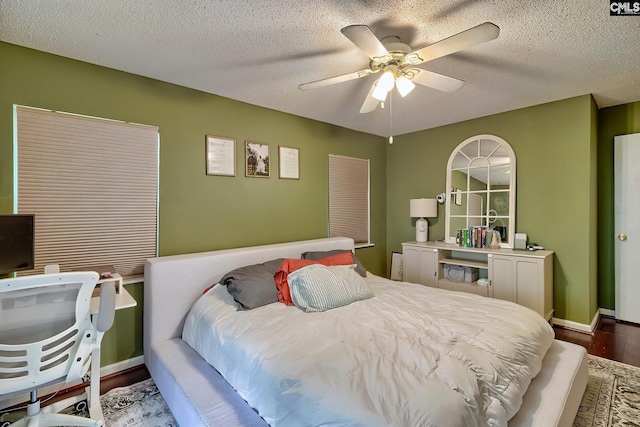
(140,404)
(612,398)
(137,405)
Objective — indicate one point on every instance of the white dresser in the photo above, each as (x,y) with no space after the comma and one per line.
(524,277)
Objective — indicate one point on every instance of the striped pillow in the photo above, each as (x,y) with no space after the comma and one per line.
(320,288)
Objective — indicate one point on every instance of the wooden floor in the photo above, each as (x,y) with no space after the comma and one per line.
(619,341)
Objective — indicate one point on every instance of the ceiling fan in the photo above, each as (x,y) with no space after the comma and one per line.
(397,62)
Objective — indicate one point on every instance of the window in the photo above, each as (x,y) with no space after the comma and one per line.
(349,198)
(92,184)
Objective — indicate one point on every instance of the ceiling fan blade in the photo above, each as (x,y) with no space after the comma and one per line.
(362,37)
(370,103)
(333,80)
(471,37)
(434,80)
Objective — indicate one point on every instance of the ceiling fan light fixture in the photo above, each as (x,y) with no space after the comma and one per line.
(387,80)
(404,85)
(380,93)
(383,86)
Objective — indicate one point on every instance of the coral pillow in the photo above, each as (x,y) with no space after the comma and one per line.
(290,265)
(323,254)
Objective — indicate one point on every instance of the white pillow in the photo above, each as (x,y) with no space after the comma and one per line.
(319,288)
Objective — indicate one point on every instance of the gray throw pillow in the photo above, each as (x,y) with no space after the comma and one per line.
(316,255)
(253,285)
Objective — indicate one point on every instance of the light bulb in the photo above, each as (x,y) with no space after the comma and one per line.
(391,140)
(404,85)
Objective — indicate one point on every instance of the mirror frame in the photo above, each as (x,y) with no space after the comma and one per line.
(512,185)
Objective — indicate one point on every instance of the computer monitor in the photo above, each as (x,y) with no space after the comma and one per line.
(16,242)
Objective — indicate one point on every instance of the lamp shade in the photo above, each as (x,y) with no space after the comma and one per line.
(380,93)
(423,208)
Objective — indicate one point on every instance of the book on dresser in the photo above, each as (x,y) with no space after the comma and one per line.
(474,237)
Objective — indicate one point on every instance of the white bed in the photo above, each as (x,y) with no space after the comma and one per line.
(198,395)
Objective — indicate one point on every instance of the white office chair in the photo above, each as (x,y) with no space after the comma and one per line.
(47,336)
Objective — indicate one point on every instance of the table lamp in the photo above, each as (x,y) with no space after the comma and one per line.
(423,208)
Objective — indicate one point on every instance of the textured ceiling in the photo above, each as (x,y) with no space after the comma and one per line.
(259,51)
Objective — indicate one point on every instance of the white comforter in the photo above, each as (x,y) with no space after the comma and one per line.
(410,356)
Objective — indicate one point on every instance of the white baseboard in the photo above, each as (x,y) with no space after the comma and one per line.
(104,371)
(121,366)
(581,327)
(607,312)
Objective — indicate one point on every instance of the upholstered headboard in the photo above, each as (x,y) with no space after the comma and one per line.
(172,284)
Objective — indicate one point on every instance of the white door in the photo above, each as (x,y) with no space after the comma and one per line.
(627,226)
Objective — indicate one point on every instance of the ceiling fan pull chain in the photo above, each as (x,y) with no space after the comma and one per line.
(391,117)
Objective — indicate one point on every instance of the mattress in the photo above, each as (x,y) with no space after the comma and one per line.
(412,355)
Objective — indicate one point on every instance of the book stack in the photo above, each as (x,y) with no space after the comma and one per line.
(474,237)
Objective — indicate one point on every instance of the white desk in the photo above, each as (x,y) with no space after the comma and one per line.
(123,300)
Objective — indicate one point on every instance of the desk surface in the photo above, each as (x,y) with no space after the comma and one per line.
(123,300)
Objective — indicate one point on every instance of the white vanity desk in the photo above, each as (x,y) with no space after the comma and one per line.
(523,277)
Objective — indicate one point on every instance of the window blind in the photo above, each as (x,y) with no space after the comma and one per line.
(92,184)
(349,198)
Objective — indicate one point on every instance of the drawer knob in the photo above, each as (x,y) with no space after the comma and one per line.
(622,237)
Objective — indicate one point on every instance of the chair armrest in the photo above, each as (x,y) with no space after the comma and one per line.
(106,312)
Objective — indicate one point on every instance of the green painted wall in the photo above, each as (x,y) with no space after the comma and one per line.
(124,340)
(197,212)
(593,208)
(612,121)
(555,197)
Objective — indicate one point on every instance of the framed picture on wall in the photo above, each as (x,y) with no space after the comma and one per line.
(257,159)
(221,156)
(288,162)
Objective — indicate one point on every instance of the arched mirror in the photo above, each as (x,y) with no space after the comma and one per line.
(481,183)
